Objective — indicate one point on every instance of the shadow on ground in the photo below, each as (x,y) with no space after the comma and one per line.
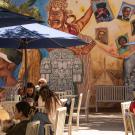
(103,122)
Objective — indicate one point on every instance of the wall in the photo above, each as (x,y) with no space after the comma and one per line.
(102,60)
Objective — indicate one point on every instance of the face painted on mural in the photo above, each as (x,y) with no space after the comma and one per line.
(126,11)
(122,41)
(9,60)
(62,18)
(56,17)
(3,68)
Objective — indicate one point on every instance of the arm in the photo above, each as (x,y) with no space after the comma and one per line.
(84,19)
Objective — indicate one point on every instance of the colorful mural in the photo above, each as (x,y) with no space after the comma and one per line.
(106,25)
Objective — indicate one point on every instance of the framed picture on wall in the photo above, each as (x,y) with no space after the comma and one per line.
(102,35)
(120,42)
(126,11)
(102,11)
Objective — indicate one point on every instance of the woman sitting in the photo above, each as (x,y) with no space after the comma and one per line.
(30,93)
(50,101)
(22,110)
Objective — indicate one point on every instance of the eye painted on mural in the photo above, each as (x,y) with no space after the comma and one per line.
(133,27)
(102,35)
(125,12)
(120,42)
(102,11)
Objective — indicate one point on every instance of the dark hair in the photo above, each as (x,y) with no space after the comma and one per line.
(123,9)
(30,85)
(23,107)
(122,37)
(101,5)
(48,96)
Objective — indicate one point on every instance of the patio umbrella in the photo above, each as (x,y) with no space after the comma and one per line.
(34,36)
(9,18)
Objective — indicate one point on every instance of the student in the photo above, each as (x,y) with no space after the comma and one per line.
(22,110)
(42,82)
(50,101)
(30,93)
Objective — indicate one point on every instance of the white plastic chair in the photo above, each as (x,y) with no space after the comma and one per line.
(59,123)
(132,120)
(33,128)
(61,94)
(125,114)
(76,115)
(70,117)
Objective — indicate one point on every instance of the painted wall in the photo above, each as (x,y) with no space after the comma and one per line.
(102,59)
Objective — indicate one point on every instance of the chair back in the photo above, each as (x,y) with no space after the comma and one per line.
(60,121)
(71,111)
(79,103)
(33,128)
(132,119)
(61,94)
(87,101)
(125,113)
(68,92)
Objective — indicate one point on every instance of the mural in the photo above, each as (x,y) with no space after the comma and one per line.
(102,11)
(102,35)
(62,69)
(125,12)
(106,25)
(9,65)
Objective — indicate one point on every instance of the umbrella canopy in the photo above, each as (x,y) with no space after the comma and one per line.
(36,36)
(9,18)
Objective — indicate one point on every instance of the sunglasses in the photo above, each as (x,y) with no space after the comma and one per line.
(41,82)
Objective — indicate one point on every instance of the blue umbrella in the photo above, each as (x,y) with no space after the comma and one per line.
(34,36)
(9,18)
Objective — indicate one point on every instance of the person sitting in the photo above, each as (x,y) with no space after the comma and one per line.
(22,110)
(35,115)
(132,105)
(50,101)
(30,93)
(42,82)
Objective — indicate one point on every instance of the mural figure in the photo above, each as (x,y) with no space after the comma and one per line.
(102,11)
(125,12)
(133,27)
(121,41)
(102,35)
(8,66)
(59,16)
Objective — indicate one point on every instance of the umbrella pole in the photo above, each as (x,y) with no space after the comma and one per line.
(25,68)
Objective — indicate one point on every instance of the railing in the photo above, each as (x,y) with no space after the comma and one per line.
(110,93)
